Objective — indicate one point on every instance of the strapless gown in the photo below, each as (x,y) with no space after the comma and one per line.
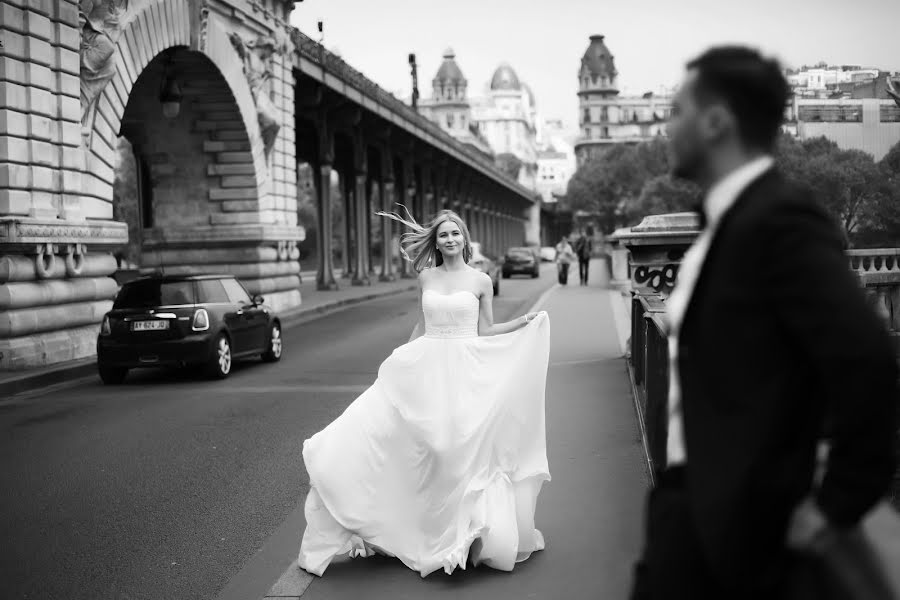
(442,459)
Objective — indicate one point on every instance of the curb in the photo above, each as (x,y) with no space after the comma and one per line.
(47,376)
(84,367)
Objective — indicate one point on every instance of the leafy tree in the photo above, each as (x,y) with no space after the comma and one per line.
(610,186)
(891,162)
(858,193)
(126,204)
(664,194)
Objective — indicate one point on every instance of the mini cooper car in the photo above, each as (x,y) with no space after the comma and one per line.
(187,320)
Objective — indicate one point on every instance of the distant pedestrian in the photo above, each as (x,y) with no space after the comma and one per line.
(565,254)
(584,249)
(770,338)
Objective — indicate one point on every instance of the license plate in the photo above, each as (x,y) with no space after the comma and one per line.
(149,325)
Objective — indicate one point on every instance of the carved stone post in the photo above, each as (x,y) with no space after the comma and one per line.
(656,247)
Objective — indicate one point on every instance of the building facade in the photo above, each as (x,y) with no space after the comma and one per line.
(449,105)
(503,123)
(605,116)
(868,124)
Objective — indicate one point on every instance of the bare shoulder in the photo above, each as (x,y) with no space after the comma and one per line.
(483,281)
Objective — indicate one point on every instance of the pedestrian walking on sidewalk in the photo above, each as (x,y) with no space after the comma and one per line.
(440,462)
(565,254)
(584,249)
(770,338)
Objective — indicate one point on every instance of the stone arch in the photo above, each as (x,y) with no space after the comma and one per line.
(157,26)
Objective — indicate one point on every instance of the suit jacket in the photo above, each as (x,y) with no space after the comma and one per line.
(776,343)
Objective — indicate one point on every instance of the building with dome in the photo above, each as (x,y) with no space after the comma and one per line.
(503,123)
(449,105)
(507,117)
(605,116)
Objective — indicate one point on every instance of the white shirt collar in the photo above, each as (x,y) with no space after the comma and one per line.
(723,194)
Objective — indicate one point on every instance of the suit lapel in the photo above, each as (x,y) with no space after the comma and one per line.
(721,234)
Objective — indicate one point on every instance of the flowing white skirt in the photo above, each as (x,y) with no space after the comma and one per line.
(441,460)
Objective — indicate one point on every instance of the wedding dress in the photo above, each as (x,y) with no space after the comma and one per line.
(440,460)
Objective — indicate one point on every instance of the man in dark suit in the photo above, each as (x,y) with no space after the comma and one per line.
(770,339)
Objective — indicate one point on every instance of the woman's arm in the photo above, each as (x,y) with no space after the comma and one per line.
(419,329)
(486,325)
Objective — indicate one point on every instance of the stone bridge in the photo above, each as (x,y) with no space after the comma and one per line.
(221,102)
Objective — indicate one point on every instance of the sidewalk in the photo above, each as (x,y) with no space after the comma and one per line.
(314,304)
(591,511)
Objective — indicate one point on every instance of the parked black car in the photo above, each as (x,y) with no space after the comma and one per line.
(522,260)
(203,320)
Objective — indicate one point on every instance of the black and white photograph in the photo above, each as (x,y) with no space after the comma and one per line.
(483,300)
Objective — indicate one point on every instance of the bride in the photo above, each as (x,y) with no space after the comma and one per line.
(439,462)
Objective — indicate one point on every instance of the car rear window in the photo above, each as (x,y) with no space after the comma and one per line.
(150,293)
(212,291)
(236,292)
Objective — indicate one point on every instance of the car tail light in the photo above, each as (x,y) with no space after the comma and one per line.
(201,320)
(105,329)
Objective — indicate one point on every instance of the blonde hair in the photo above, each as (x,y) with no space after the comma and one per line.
(419,246)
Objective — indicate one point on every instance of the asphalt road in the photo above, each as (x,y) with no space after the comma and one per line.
(166,487)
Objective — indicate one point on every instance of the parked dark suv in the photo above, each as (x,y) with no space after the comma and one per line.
(204,320)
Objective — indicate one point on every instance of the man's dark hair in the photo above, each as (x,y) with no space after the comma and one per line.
(753,87)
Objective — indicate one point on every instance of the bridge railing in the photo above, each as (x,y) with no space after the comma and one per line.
(648,361)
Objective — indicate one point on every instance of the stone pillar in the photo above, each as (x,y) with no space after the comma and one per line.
(533,225)
(386,194)
(325,275)
(55,265)
(656,247)
(349,244)
(361,255)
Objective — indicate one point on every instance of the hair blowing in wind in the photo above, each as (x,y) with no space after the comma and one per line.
(419,246)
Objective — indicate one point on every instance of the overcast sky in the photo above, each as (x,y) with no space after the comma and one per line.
(544,39)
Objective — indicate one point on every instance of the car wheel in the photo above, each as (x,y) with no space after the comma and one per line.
(219,366)
(535,274)
(273,352)
(112,375)
(505,275)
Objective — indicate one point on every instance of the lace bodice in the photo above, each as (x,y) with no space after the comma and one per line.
(453,315)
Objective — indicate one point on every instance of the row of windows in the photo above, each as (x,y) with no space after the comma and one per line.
(830,114)
(592,80)
(451,93)
(889,114)
(625,115)
(451,121)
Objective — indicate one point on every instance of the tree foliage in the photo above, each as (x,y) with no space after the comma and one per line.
(126,203)
(627,183)
(860,194)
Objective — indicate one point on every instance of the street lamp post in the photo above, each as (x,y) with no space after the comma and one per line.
(415,81)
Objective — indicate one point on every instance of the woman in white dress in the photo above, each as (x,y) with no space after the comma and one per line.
(439,462)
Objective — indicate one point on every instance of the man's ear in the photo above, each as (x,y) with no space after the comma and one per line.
(716,122)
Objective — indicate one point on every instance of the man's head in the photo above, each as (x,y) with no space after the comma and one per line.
(731,99)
